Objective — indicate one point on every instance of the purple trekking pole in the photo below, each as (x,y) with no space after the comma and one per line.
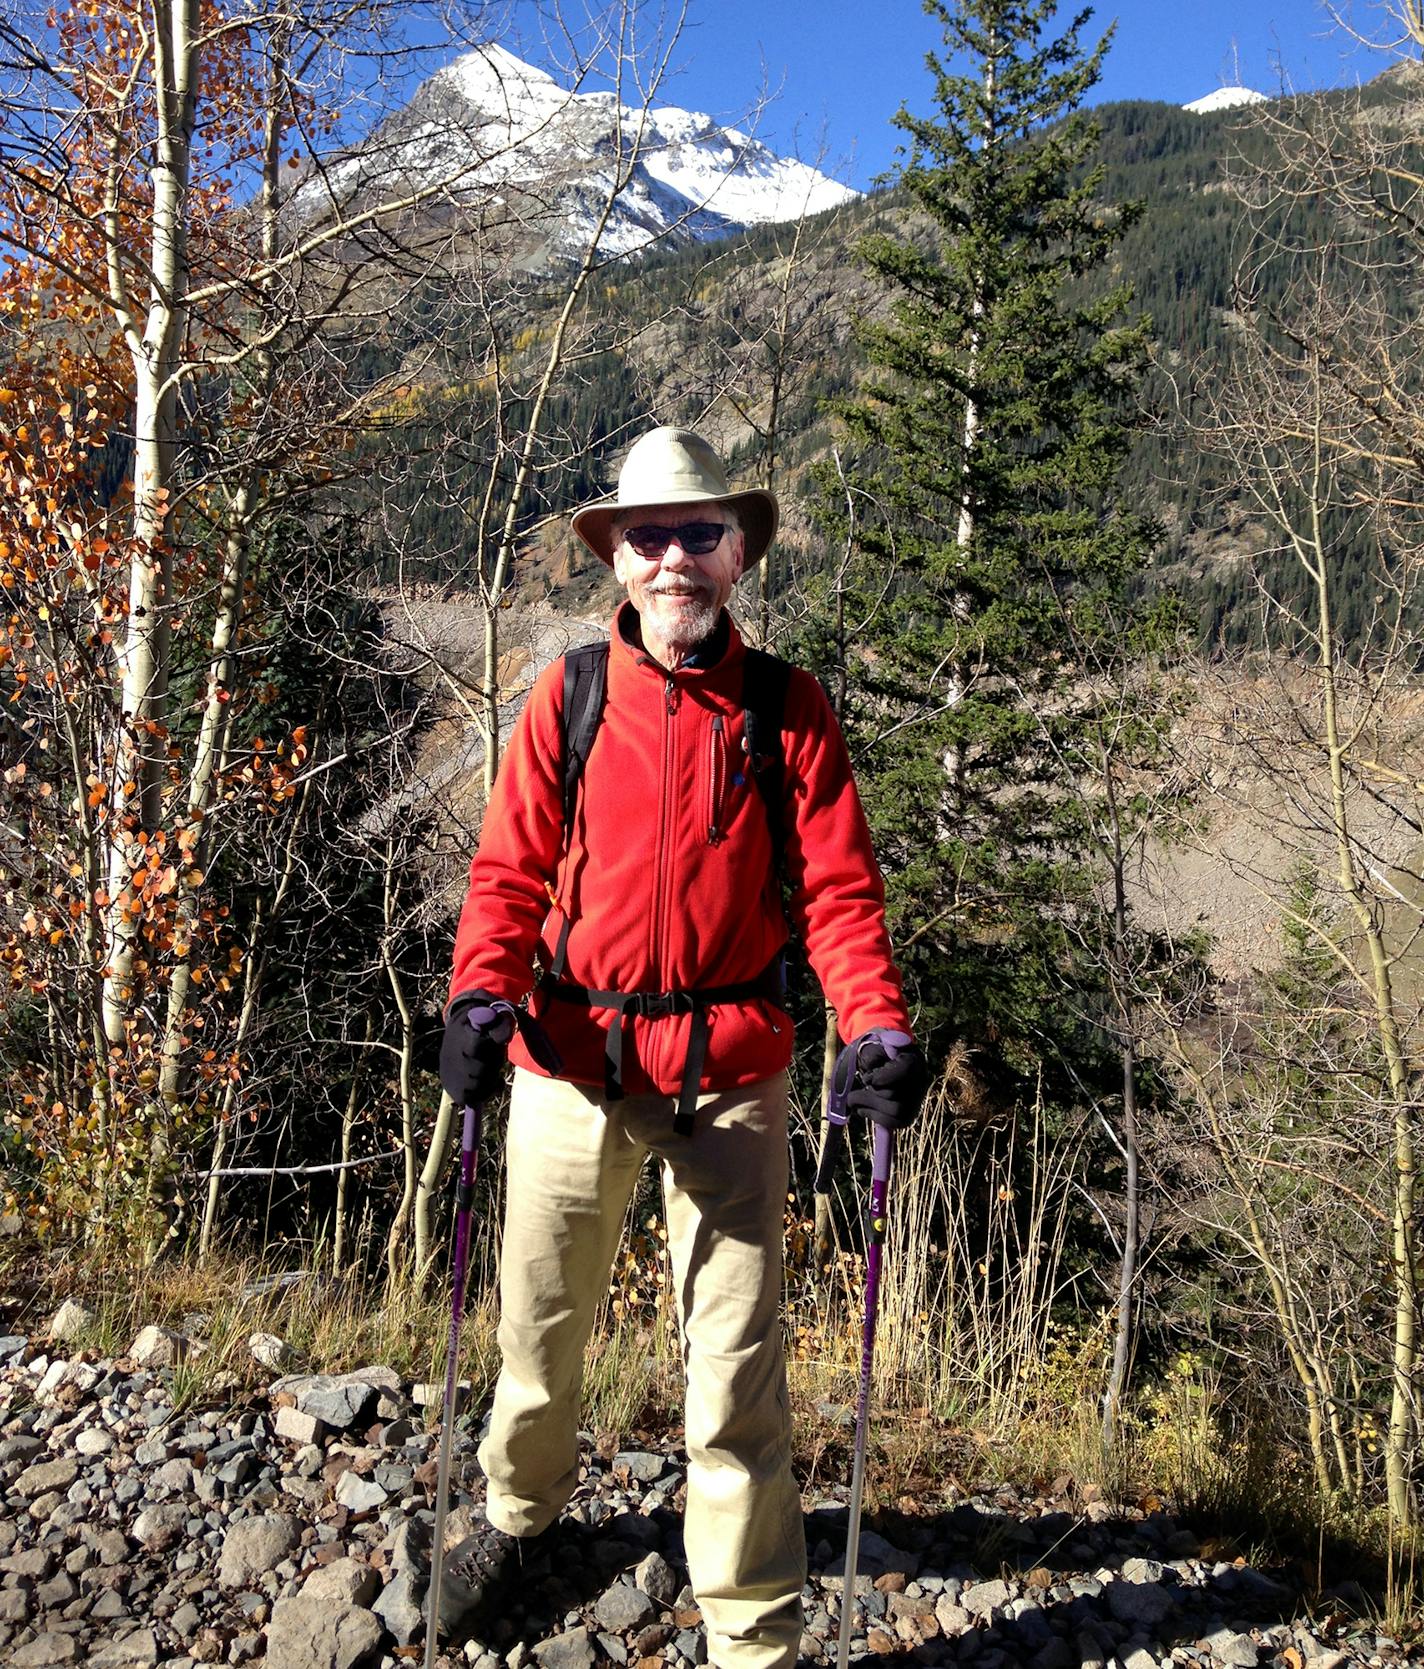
(882,1157)
(494,1020)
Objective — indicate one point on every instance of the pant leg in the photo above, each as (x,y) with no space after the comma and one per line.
(570,1170)
(725,1187)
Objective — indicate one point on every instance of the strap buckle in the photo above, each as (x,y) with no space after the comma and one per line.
(657,1005)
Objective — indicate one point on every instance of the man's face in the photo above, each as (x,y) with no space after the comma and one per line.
(678,595)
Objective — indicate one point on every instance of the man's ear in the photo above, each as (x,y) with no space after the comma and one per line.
(620,566)
(739,555)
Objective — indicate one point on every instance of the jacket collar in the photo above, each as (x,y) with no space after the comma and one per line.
(713,654)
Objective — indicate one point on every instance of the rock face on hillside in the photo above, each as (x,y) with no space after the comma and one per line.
(294,1530)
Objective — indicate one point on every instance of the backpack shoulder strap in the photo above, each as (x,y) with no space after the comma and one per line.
(764,683)
(585,689)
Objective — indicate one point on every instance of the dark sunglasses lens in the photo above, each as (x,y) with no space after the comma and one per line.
(696,538)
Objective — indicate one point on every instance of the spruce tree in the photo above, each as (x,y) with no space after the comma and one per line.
(976,500)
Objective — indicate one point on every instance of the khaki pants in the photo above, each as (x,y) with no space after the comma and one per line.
(572,1162)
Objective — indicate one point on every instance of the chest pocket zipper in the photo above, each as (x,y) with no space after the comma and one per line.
(717,782)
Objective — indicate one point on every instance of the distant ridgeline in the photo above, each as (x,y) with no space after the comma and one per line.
(1179,259)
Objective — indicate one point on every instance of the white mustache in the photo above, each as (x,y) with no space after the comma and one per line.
(675,588)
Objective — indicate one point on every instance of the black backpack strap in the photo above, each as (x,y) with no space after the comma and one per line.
(765,679)
(585,689)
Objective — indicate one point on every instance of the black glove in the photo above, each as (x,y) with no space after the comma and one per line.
(472,1054)
(890,1080)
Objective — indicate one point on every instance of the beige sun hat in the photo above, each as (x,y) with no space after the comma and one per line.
(676,466)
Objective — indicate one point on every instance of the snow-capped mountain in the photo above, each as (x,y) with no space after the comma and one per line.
(1224,98)
(505,134)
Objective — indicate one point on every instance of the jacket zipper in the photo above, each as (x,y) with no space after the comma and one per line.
(662,905)
(717,782)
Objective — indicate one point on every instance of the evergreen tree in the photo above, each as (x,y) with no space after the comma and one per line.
(987,439)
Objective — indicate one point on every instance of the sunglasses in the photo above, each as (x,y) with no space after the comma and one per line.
(696,538)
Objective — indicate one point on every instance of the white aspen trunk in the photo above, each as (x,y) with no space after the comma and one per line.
(427,1185)
(400,1222)
(142,662)
(969,436)
(773,418)
(348,1121)
(1127,1268)
(1312,551)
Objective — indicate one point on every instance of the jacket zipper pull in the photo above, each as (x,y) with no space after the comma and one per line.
(670,690)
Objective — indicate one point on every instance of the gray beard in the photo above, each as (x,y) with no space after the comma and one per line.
(690,626)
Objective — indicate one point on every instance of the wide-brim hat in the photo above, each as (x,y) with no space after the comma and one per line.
(676,466)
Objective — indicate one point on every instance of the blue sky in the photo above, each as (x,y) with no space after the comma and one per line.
(841,67)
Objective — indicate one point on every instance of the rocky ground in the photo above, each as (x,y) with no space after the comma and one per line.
(292,1527)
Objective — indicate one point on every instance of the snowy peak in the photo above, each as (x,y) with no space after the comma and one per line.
(1225,98)
(503,131)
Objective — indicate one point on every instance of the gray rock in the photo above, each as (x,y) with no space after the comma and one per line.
(159,1347)
(1142,1570)
(984,1598)
(12,1345)
(612,1648)
(70,1321)
(573,1649)
(159,1527)
(876,1557)
(93,1440)
(46,1651)
(692,1643)
(138,1650)
(20,1449)
(410,1546)
(622,1608)
(297,1427)
(952,1617)
(173,1477)
(646,1468)
(1139,1657)
(184,1621)
(1057,1654)
(253,1546)
(1236,1651)
(401,1605)
(358,1494)
(339,1399)
(308,1633)
(1242,1582)
(46,1475)
(16,1603)
(656,1577)
(633,1527)
(55,1594)
(268,1351)
(1146,1603)
(36,1563)
(343,1582)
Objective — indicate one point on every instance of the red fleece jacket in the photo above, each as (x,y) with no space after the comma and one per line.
(668,876)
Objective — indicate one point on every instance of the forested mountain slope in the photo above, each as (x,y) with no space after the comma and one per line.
(700,334)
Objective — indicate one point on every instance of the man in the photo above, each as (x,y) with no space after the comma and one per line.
(656,914)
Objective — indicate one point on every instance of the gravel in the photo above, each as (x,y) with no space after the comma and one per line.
(292,1529)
